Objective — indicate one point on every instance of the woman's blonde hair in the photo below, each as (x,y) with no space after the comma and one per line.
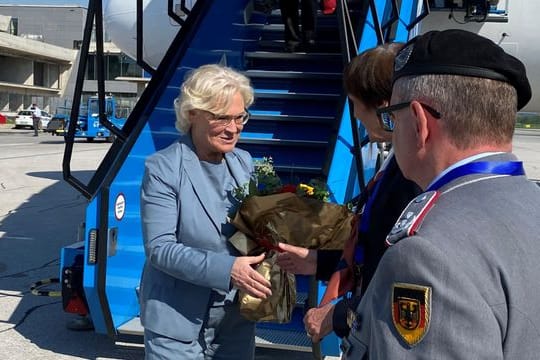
(211,88)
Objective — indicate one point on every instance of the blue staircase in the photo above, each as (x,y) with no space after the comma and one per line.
(300,118)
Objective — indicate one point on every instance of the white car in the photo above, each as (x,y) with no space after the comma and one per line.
(45,118)
(24,119)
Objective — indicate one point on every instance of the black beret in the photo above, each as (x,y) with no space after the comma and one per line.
(459,52)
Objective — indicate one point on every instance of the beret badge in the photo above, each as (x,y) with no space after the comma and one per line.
(403,57)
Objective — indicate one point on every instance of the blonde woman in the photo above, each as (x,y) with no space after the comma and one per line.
(191,275)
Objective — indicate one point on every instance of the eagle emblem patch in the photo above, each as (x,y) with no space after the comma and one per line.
(411,311)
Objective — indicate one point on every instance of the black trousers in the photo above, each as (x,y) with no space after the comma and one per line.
(291,19)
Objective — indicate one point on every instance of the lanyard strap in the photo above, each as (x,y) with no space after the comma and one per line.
(510,168)
(366,215)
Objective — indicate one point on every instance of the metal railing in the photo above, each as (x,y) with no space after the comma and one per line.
(350,32)
(94,22)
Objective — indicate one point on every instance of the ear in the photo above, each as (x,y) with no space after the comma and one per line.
(422,123)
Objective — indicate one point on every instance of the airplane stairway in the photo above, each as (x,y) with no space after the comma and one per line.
(298,97)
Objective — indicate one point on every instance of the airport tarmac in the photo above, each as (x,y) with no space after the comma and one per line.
(40,213)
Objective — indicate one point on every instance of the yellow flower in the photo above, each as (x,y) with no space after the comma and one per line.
(308,189)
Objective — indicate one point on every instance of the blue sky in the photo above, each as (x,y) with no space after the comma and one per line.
(45,2)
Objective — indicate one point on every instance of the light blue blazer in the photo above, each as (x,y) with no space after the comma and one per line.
(185,255)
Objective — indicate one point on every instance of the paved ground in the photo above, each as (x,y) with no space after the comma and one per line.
(527,148)
(39,214)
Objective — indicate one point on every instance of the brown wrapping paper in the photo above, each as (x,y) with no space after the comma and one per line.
(278,307)
(263,221)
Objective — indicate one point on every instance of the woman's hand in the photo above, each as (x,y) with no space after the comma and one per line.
(244,277)
(297,260)
(318,322)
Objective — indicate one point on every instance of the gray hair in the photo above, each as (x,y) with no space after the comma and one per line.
(211,88)
(474,110)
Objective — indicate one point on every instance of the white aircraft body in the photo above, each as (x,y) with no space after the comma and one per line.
(518,35)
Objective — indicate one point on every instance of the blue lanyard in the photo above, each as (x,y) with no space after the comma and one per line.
(511,168)
(366,216)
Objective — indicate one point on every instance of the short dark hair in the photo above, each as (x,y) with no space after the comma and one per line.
(463,53)
(368,76)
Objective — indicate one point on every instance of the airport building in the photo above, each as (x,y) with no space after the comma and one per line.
(39,52)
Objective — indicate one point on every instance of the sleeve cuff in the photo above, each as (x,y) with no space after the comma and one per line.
(327,261)
(339,319)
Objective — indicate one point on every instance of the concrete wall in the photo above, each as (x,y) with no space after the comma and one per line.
(60,26)
(16,70)
(56,25)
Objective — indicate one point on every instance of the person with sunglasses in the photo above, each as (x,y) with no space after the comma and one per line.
(188,292)
(368,83)
(460,277)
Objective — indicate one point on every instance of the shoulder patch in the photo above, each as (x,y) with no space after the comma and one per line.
(410,219)
(411,311)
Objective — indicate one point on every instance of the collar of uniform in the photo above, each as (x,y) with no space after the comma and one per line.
(462,162)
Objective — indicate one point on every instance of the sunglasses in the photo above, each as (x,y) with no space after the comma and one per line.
(387,116)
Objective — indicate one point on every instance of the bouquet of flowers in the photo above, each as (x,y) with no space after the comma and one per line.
(299,215)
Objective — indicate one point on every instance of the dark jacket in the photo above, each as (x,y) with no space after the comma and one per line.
(393,195)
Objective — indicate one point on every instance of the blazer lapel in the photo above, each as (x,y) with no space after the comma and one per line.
(199,182)
(237,171)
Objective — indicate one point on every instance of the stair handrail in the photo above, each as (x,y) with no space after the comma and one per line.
(76,103)
(350,45)
(140,39)
(425,12)
(94,17)
(394,17)
(110,166)
(349,50)
(95,14)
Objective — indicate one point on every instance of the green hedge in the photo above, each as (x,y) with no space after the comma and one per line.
(528,120)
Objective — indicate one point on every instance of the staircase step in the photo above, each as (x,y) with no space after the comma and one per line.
(282,339)
(328,46)
(315,171)
(280,118)
(296,75)
(281,142)
(132,327)
(297,61)
(296,82)
(292,56)
(288,95)
(267,338)
(329,24)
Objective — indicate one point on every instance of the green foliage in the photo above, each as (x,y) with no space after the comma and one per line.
(265,181)
(528,120)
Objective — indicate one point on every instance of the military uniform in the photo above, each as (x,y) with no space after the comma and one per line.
(461,279)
